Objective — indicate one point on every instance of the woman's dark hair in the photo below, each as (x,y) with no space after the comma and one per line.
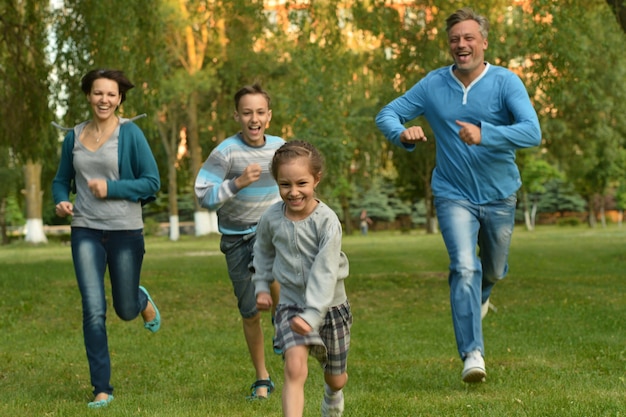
(296,149)
(118,76)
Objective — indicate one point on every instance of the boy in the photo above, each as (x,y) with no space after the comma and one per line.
(235,180)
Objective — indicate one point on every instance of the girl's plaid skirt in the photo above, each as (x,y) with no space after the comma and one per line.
(329,345)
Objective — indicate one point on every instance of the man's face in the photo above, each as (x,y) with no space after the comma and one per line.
(467,47)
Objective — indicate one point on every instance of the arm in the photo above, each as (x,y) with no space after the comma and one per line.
(524,130)
(391,119)
(263,301)
(212,186)
(323,275)
(62,183)
(139,173)
(263,261)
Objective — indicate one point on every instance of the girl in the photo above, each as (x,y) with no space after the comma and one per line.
(299,244)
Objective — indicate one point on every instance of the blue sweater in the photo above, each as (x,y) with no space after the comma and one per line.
(238,211)
(498,102)
(139,175)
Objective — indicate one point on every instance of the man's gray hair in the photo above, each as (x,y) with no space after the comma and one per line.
(467,13)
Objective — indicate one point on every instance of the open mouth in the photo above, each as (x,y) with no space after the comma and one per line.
(463,57)
(296,201)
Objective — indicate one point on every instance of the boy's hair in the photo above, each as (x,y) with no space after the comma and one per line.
(251,89)
(123,84)
(467,13)
(296,149)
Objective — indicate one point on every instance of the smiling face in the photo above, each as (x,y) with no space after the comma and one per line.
(104,98)
(467,47)
(253,114)
(296,185)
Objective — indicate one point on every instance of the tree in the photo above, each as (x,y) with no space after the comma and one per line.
(324,97)
(560,197)
(535,174)
(584,127)
(8,179)
(87,37)
(618,7)
(24,116)
(410,46)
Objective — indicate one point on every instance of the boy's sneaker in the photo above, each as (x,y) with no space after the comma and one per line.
(332,410)
(474,368)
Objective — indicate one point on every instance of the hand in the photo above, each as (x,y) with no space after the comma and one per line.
(300,326)
(64,208)
(412,135)
(469,133)
(251,174)
(263,301)
(98,187)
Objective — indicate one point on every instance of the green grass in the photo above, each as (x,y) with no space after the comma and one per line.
(555,347)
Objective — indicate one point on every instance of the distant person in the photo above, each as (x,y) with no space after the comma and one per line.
(299,244)
(109,162)
(365,222)
(236,181)
(480,115)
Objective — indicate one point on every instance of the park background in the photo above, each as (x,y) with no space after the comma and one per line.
(329,66)
(555,344)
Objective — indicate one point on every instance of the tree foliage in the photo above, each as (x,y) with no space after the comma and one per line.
(24,116)
(329,70)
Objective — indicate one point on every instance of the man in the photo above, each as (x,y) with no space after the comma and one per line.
(480,115)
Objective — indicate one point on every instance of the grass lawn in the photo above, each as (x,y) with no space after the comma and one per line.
(556,346)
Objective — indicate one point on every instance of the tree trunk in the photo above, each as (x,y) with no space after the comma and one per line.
(602,213)
(527,214)
(169,134)
(432,226)
(34,200)
(3,221)
(592,214)
(202,220)
(533,214)
(347,220)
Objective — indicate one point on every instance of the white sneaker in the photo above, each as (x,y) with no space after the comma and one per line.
(484,309)
(335,410)
(474,368)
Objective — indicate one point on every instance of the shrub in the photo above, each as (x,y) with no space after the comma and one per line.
(569,221)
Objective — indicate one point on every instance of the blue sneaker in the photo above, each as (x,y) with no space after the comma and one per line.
(155,324)
(101,403)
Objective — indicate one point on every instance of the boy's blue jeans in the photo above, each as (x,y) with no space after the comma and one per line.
(92,251)
(465,227)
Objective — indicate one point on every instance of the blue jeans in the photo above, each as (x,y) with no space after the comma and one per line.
(464,227)
(92,251)
(239,251)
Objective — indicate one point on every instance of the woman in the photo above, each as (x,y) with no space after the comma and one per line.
(108,163)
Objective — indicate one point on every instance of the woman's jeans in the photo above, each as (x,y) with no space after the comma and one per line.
(464,227)
(92,251)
